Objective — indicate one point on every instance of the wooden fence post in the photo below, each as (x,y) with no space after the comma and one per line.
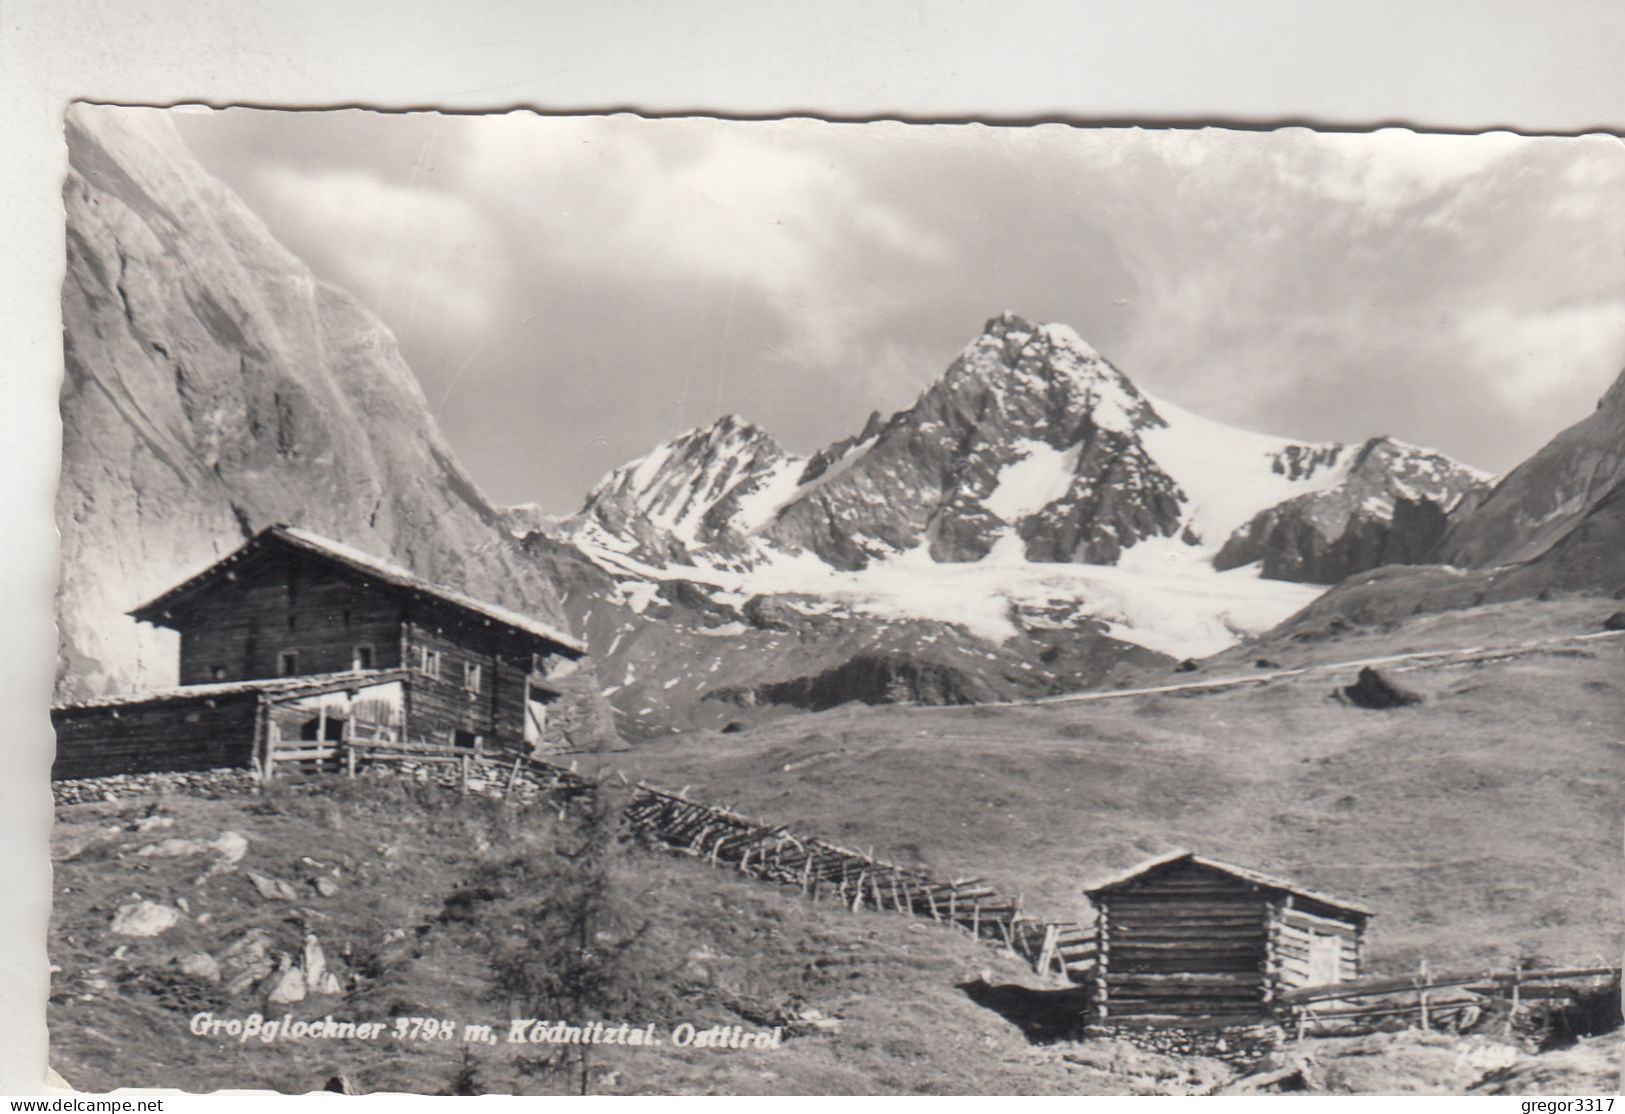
(273,736)
(1102,990)
(1046,956)
(1424,981)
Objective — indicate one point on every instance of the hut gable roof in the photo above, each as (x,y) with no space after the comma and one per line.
(1245,874)
(365,564)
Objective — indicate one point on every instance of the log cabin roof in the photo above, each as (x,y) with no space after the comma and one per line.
(307,685)
(1245,874)
(367,565)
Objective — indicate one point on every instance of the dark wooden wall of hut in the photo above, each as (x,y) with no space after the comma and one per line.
(283,602)
(439,705)
(1186,943)
(508,707)
(171,735)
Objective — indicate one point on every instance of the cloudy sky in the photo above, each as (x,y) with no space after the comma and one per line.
(572,290)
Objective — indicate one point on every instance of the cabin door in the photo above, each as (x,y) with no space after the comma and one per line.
(535,721)
(1325,959)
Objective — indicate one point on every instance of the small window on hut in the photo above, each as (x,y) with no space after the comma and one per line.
(429,662)
(471,676)
(287,663)
(362,658)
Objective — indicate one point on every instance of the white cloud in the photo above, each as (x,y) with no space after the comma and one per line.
(406,251)
(1595,180)
(1391,167)
(1548,360)
(748,209)
(1599,162)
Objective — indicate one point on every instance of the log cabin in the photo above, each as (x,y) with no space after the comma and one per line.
(294,636)
(1186,941)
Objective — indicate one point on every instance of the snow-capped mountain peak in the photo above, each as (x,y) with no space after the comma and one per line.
(691,493)
(1035,459)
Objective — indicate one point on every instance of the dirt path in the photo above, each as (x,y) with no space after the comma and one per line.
(1420,659)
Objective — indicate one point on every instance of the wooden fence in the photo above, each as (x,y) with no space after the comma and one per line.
(820,870)
(1432,1001)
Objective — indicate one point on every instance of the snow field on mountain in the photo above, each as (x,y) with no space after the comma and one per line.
(1040,477)
(1162,595)
(1225,472)
(774,490)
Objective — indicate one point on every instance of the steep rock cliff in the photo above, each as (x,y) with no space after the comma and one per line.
(1563,509)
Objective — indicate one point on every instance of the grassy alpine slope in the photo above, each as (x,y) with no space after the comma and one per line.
(425,896)
(1483,825)
(429,892)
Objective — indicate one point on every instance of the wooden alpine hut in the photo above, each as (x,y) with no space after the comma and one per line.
(294,638)
(1183,940)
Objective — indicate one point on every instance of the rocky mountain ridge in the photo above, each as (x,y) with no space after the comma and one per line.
(1391,508)
(1558,506)
(1034,441)
(1555,523)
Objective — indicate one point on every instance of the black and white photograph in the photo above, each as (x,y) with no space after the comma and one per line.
(623,604)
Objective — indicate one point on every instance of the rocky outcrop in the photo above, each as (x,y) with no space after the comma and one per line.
(695,491)
(214,386)
(1374,690)
(144,918)
(866,679)
(1391,509)
(1030,430)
